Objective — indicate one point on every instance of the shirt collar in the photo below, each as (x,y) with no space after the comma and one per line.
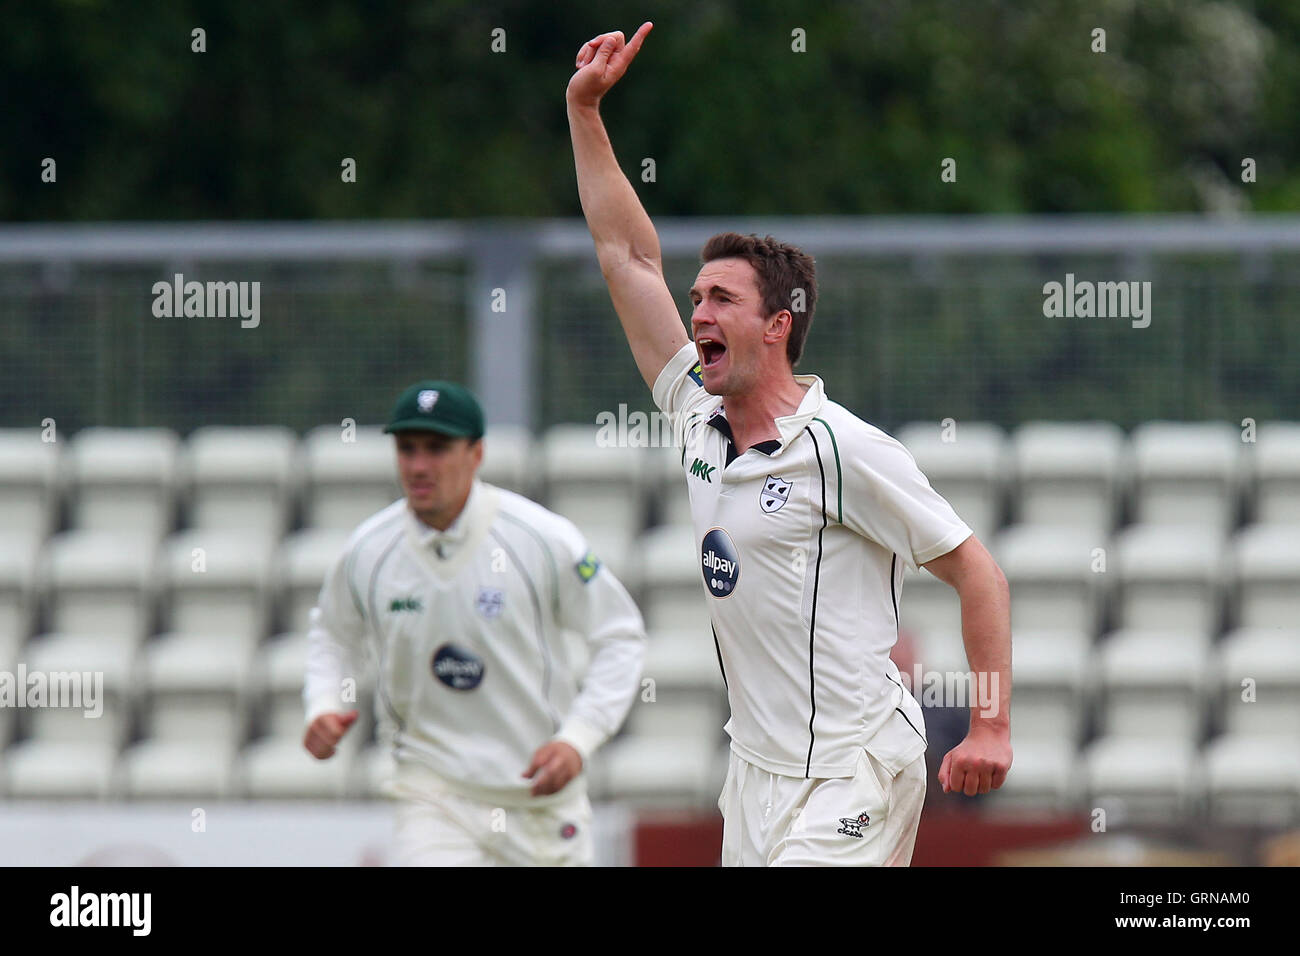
(446,543)
(788,426)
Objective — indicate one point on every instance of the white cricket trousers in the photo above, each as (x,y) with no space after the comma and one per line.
(447,829)
(869,819)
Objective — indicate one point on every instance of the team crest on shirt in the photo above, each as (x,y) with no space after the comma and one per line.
(490,602)
(852,826)
(774,494)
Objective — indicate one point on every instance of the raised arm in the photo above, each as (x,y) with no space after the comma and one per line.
(626,244)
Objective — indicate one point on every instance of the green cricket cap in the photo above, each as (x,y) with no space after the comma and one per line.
(436,406)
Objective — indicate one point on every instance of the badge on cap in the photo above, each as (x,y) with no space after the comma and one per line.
(427,399)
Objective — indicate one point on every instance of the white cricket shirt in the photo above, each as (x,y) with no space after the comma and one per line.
(803,542)
(466,630)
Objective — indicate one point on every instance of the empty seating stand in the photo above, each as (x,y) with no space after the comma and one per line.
(1156,650)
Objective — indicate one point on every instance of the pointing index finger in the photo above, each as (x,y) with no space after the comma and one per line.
(634,44)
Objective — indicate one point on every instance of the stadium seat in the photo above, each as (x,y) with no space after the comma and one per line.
(1141,780)
(196,688)
(281,670)
(125,480)
(1068,474)
(1187,474)
(1252,780)
(1266,566)
(1051,574)
(614,550)
(45,769)
(968,469)
(683,662)
(671,580)
(1276,471)
(8,728)
(1043,773)
(940,649)
(1049,673)
(94,674)
(281,768)
(168,769)
(508,459)
(600,489)
(1170,578)
(678,716)
(242,479)
(18,563)
(670,500)
(99,582)
(216,583)
(348,481)
(927,605)
(304,560)
(1153,684)
(1258,682)
(29,482)
(659,771)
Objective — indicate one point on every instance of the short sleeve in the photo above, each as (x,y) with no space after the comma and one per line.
(888,499)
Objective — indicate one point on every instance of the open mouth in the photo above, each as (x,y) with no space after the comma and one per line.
(711,351)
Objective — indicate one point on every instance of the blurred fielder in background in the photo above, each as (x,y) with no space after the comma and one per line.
(805,517)
(465,589)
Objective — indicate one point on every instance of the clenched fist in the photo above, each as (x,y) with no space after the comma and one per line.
(978,764)
(601,62)
(325,732)
(552,767)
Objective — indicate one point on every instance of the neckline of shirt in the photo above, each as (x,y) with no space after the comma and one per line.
(444,543)
(787,425)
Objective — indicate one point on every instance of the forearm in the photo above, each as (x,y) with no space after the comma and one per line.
(620,226)
(609,688)
(986,633)
(330,661)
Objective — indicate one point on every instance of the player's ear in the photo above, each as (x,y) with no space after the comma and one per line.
(778,326)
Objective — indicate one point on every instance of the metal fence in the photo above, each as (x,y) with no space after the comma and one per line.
(916,319)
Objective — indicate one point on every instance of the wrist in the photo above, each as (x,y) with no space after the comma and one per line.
(581,736)
(998,724)
(586,110)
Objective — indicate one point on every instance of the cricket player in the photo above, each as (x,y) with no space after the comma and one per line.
(805,517)
(465,591)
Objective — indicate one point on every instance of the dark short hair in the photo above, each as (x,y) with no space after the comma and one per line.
(782,268)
